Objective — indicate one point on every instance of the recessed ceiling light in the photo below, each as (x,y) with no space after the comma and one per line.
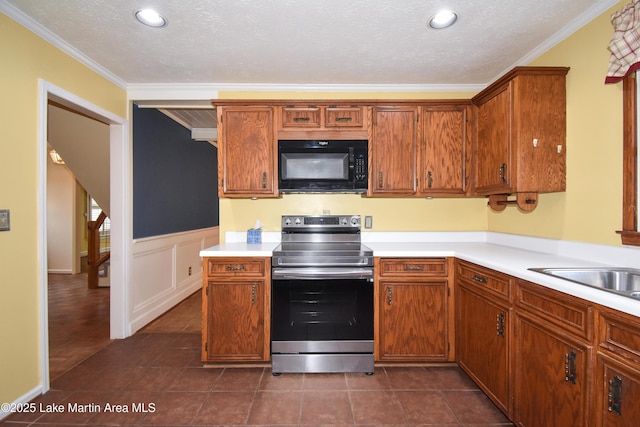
(151,18)
(443,19)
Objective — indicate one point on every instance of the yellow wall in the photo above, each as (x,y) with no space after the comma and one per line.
(388,214)
(25,59)
(591,208)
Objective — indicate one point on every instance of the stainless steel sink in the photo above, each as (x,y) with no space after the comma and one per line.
(622,281)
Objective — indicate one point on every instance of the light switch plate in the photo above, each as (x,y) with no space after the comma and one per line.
(5,224)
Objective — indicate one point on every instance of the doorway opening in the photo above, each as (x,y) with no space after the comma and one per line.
(120,214)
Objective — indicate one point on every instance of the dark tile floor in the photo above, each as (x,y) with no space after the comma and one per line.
(156,378)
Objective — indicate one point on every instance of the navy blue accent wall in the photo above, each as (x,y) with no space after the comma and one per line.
(175,181)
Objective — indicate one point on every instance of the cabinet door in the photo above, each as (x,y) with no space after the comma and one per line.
(393,145)
(482,343)
(617,389)
(539,127)
(617,393)
(442,168)
(552,376)
(493,168)
(413,320)
(247,146)
(235,321)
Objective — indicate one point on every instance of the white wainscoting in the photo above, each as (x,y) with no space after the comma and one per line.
(166,270)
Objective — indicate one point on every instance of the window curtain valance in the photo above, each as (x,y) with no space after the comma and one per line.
(625,43)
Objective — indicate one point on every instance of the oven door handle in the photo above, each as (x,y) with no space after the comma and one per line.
(321,273)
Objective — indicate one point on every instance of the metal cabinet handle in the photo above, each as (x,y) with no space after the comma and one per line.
(343,119)
(389,295)
(301,119)
(570,367)
(430,179)
(239,267)
(480,279)
(379,179)
(615,395)
(503,172)
(253,294)
(264,180)
(500,318)
(412,267)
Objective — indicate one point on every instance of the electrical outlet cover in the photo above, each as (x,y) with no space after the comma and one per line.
(4,220)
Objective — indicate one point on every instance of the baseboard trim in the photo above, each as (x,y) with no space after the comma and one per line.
(25,398)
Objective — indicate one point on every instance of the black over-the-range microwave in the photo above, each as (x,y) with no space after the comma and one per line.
(322,166)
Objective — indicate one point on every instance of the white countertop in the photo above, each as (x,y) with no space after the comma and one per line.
(505,253)
(240,249)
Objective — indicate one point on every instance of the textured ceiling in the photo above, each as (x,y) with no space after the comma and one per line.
(309,42)
(303,44)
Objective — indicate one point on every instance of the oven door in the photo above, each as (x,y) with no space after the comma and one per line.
(325,312)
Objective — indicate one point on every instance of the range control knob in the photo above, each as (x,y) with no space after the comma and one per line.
(298,221)
(287,221)
(344,220)
(355,221)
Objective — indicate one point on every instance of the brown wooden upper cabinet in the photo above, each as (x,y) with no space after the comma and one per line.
(246,144)
(510,138)
(330,117)
(344,117)
(393,148)
(421,150)
(300,117)
(521,132)
(445,148)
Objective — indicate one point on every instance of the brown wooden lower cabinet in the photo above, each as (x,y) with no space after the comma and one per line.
(412,309)
(617,393)
(617,375)
(235,307)
(543,357)
(552,358)
(483,330)
(552,376)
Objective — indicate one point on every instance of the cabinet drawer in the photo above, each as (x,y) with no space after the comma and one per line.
(413,267)
(254,267)
(493,281)
(620,334)
(297,117)
(567,312)
(344,117)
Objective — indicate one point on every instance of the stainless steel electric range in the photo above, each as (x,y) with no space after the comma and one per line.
(322,297)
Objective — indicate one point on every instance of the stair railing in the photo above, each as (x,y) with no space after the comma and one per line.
(95,255)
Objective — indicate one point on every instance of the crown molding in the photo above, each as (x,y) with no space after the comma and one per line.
(172,91)
(578,22)
(35,27)
(409,88)
(201,91)
(196,91)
